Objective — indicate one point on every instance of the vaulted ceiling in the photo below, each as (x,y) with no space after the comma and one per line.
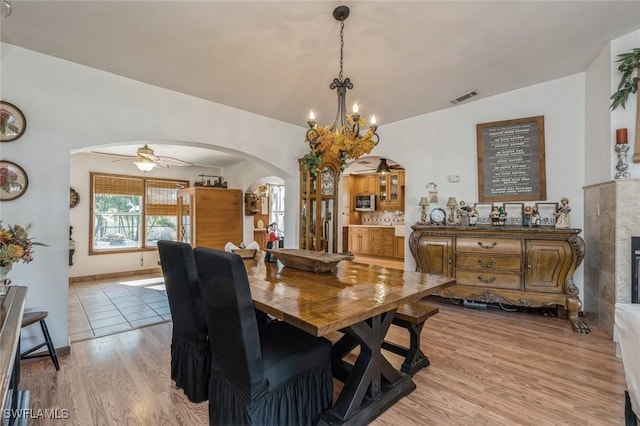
(276,59)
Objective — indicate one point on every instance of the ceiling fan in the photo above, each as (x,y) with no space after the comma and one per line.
(146,160)
(374,165)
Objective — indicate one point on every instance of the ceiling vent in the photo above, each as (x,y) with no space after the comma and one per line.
(465,97)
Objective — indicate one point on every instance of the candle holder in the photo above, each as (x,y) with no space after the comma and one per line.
(622,166)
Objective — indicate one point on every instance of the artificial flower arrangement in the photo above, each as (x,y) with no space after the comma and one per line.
(15,245)
(341,145)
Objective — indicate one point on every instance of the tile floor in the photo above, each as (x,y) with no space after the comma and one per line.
(100,308)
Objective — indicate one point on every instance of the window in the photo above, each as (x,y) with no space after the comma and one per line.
(277,206)
(132,213)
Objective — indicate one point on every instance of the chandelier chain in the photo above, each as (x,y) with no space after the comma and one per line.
(341,47)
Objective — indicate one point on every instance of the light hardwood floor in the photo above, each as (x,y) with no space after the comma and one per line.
(488,367)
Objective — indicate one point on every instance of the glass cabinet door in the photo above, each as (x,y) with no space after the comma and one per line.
(382,189)
(394,188)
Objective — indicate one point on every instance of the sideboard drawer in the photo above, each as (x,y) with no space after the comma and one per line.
(489,245)
(489,263)
(492,279)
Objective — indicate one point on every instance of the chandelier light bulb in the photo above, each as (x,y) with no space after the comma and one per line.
(373,120)
(312,116)
(355,108)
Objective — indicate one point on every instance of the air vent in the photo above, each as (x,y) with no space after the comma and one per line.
(465,97)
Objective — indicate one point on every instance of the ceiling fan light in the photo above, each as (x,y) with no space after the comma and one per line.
(145,165)
(383,167)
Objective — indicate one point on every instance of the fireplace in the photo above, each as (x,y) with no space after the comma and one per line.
(635,266)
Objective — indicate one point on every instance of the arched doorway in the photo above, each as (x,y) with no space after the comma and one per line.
(373,206)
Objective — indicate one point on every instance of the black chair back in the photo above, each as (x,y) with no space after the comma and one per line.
(190,351)
(183,289)
(231,319)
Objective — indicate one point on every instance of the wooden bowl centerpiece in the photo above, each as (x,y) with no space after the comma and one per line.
(308,260)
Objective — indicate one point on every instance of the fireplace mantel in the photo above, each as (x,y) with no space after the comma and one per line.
(611,218)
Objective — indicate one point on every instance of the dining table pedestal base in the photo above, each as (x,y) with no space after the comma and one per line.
(371,384)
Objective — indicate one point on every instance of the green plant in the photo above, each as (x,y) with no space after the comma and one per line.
(628,63)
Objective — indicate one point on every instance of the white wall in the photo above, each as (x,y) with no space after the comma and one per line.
(436,145)
(70,107)
(599,138)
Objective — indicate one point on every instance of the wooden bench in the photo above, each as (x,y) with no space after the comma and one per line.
(412,317)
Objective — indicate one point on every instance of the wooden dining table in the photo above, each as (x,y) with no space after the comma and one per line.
(358,300)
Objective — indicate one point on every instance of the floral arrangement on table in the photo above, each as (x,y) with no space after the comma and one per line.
(15,245)
(341,145)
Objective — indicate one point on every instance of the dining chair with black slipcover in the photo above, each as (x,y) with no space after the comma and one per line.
(190,350)
(275,374)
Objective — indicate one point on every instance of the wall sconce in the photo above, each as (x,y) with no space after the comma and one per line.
(452,203)
(423,203)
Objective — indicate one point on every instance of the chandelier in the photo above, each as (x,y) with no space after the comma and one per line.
(341,140)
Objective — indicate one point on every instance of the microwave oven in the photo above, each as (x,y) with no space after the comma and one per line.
(365,203)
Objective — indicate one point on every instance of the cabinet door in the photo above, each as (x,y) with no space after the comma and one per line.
(435,255)
(547,264)
(388,242)
(359,240)
(376,238)
(399,249)
(362,185)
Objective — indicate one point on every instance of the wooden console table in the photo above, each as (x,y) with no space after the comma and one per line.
(517,266)
(11,311)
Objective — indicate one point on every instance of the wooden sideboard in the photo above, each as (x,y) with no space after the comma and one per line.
(531,267)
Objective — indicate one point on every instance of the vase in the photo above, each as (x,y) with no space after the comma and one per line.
(4,281)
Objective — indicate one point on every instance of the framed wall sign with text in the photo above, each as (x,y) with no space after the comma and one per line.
(511,160)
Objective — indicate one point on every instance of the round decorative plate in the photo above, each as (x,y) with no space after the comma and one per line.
(74,198)
(438,216)
(13,181)
(12,122)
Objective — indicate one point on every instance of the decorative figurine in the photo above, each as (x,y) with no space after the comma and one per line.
(526,219)
(535,218)
(562,214)
(464,213)
(494,215)
(473,217)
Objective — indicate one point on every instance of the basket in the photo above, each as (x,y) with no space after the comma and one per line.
(245,253)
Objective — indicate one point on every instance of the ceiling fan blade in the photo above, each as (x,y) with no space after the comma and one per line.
(171,162)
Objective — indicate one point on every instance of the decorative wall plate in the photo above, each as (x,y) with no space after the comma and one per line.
(12,122)
(438,216)
(74,198)
(13,181)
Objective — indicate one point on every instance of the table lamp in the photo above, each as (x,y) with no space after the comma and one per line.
(452,203)
(423,203)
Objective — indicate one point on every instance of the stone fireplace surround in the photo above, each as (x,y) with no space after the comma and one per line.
(611,218)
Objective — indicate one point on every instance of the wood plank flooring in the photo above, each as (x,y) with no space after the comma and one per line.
(488,367)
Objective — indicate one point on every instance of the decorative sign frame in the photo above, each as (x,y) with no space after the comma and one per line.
(511,160)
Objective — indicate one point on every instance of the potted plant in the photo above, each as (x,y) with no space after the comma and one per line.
(628,63)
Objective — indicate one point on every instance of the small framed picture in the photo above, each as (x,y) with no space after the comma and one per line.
(546,212)
(484,213)
(514,213)
(13,181)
